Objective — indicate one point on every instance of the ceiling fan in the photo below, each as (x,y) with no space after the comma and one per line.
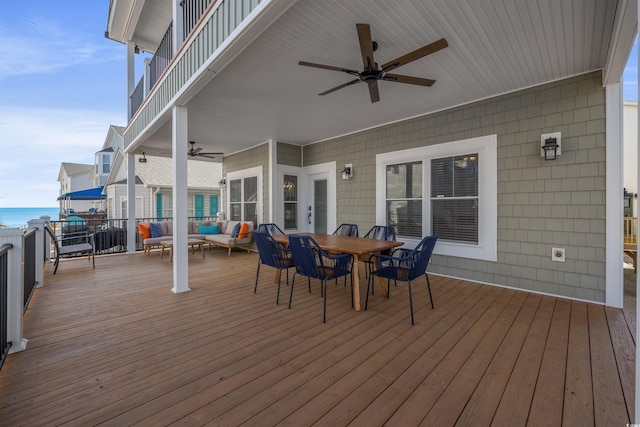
(197,152)
(373,72)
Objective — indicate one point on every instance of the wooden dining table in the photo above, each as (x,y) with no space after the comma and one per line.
(356,246)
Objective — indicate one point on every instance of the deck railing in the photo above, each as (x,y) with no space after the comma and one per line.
(192,11)
(162,56)
(630,230)
(5,344)
(110,235)
(29,266)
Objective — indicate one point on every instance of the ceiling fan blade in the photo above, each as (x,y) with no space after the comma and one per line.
(340,87)
(408,79)
(195,151)
(328,67)
(210,154)
(416,54)
(373,91)
(366,46)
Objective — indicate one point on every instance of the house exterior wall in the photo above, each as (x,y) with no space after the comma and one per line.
(289,154)
(257,156)
(541,204)
(117,192)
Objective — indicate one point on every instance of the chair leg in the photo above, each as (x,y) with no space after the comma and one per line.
(411,303)
(324,305)
(255,288)
(429,287)
(308,280)
(278,294)
(366,301)
(293,282)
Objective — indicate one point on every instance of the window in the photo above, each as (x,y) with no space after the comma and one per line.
(244,190)
(404,198)
(454,198)
(167,205)
(447,189)
(290,202)
(106,163)
(139,207)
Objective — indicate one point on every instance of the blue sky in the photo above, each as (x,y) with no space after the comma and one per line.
(61,85)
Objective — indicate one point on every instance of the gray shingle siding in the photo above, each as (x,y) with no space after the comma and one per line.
(541,204)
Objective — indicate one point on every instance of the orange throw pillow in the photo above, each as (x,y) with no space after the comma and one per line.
(244,228)
(144,231)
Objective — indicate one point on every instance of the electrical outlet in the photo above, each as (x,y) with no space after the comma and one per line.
(557,254)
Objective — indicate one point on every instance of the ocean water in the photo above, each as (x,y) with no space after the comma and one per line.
(18,217)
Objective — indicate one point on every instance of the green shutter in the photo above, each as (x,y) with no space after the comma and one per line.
(159,205)
(213,205)
(199,206)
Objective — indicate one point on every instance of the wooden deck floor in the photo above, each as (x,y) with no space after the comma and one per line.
(116,347)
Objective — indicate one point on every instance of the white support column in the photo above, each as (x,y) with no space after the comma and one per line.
(637,405)
(40,235)
(131,204)
(131,84)
(15,291)
(180,250)
(178,27)
(273,169)
(614,278)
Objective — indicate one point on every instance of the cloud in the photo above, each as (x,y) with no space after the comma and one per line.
(44,47)
(34,143)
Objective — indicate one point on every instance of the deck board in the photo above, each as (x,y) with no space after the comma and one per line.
(114,345)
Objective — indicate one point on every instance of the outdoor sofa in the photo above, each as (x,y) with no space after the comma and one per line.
(219,233)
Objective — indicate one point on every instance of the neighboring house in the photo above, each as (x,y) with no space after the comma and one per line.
(631,158)
(461,158)
(74,178)
(153,188)
(105,157)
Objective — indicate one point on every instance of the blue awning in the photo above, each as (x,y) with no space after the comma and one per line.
(90,194)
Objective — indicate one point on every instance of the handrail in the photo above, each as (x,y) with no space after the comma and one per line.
(5,248)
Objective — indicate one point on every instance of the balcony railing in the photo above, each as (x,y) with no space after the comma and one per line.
(137,97)
(192,11)
(29,268)
(5,344)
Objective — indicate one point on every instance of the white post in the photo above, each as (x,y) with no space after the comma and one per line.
(15,291)
(131,204)
(39,224)
(178,27)
(47,240)
(131,84)
(180,219)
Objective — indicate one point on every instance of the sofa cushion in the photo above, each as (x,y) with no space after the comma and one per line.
(222,224)
(165,228)
(143,229)
(221,239)
(156,240)
(244,228)
(156,229)
(208,229)
(235,230)
(169,228)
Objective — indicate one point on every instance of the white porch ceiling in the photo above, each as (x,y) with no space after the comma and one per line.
(495,47)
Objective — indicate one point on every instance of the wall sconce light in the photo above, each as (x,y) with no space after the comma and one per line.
(222,182)
(347,172)
(142,159)
(550,145)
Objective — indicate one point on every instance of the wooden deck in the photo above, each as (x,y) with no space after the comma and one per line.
(116,347)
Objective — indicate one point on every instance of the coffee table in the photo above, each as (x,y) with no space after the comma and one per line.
(192,243)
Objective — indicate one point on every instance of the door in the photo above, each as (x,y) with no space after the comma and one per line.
(318,206)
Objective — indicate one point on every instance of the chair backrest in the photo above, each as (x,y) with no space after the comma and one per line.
(304,251)
(271,229)
(421,256)
(53,239)
(270,251)
(346,230)
(381,232)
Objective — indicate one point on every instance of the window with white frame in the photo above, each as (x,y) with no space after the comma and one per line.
(167,205)
(244,200)
(290,189)
(139,207)
(449,190)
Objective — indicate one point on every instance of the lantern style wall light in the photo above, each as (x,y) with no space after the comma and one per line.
(347,172)
(550,147)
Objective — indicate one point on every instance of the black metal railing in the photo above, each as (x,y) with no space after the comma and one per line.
(110,235)
(29,266)
(192,11)
(162,56)
(5,345)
